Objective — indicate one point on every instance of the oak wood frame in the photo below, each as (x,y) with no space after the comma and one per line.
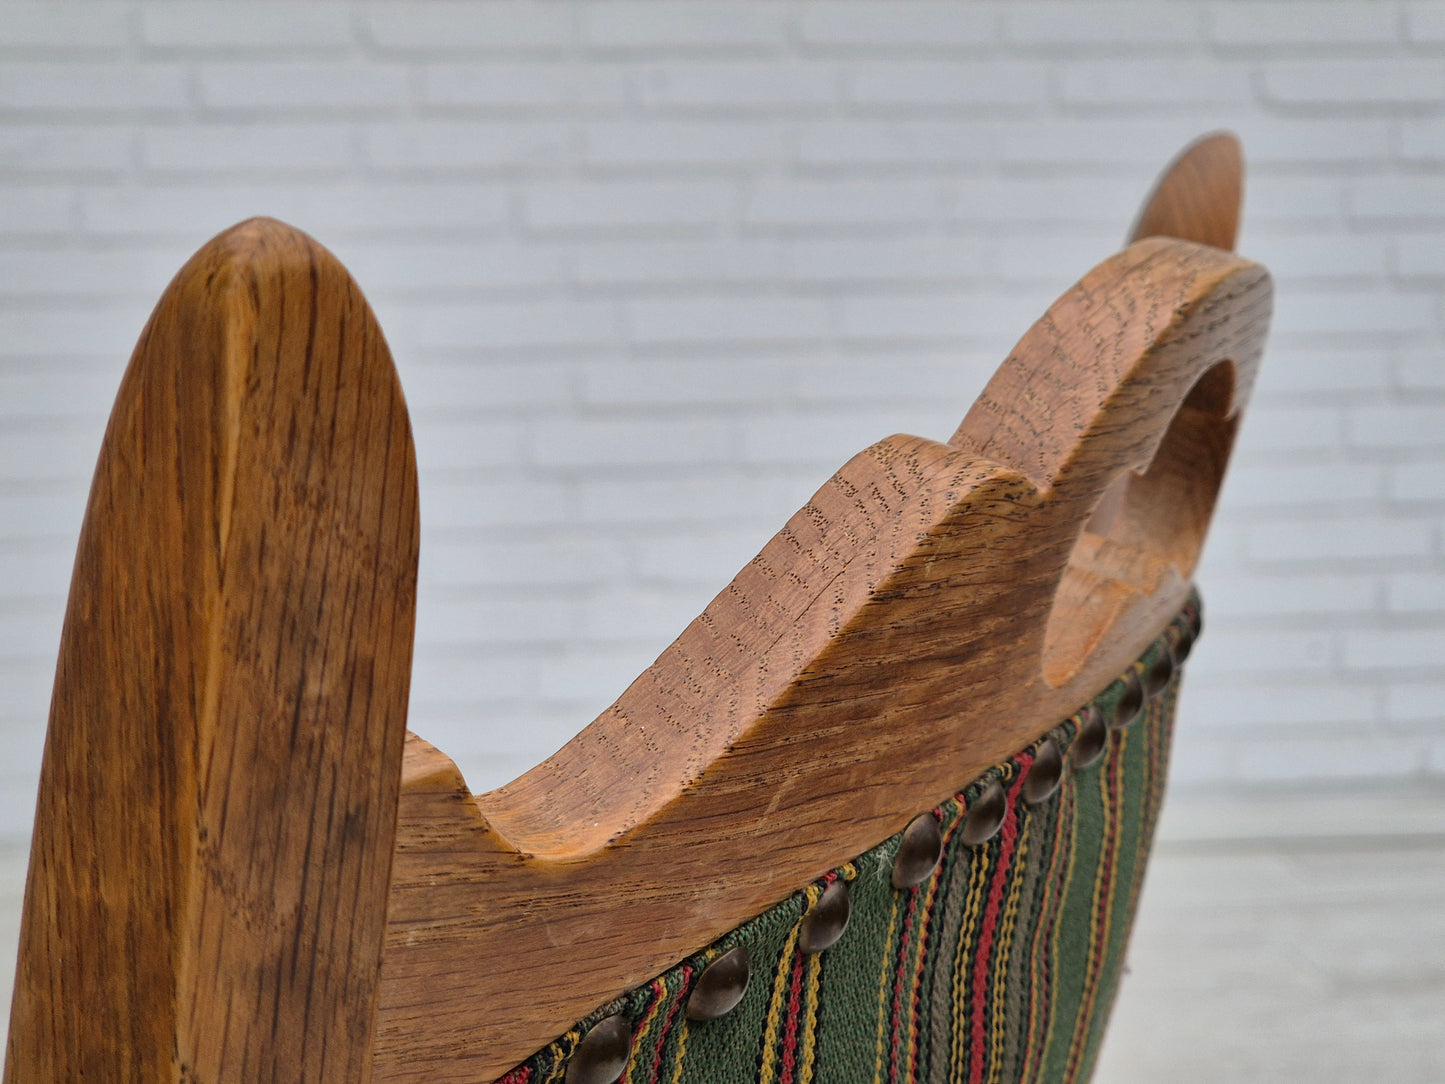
(242,869)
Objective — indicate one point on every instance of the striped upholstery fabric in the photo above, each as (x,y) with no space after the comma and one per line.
(999,969)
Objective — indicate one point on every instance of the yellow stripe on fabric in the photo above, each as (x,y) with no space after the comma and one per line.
(569,1042)
(812,976)
(929,899)
(1155,769)
(884,987)
(980,869)
(1144,820)
(641,1044)
(1027,1040)
(679,1056)
(777,1005)
(812,999)
(1106,805)
(1058,921)
(998,981)
(1055,942)
(1061,874)
(1101,911)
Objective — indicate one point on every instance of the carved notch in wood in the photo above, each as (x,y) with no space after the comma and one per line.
(227,817)
(881,650)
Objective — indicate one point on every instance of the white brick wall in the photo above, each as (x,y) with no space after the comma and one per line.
(650,270)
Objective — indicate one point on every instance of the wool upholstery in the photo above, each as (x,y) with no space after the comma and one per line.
(1001,968)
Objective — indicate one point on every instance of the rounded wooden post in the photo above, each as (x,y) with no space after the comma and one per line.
(217,809)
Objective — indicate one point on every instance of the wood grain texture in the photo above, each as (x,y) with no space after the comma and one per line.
(240,872)
(1198,196)
(933,608)
(214,834)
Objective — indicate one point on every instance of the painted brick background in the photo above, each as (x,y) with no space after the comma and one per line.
(650,271)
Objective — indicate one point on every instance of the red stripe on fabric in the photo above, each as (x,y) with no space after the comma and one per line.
(520,1075)
(795,1008)
(668,1023)
(898,984)
(1009,835)
(922,956)
(795,1005)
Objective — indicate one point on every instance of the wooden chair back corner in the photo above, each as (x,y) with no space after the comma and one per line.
(273,882)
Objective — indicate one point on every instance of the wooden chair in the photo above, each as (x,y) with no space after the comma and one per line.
(939,700)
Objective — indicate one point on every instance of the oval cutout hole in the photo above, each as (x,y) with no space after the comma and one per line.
(1146,531)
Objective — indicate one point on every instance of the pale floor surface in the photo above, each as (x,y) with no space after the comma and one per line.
(1281,941)
(1311,950)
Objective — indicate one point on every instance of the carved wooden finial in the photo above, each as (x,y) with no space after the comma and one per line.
(1198,196)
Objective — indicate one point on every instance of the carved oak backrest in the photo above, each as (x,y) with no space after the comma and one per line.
(243,869)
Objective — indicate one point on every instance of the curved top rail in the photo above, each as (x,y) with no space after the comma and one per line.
(883,648)
(1087,395)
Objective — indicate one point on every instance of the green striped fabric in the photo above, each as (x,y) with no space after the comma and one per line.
(999,969)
